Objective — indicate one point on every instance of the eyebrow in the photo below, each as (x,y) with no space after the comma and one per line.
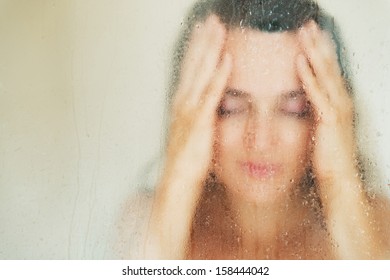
(240,93)
(293,93)
(236,92)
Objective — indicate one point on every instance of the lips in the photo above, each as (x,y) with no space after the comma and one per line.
(260,170)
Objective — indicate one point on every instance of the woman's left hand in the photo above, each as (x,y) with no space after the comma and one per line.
(333,138)
(353,220)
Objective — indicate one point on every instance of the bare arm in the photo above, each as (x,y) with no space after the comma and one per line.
(204,75)
(353,219)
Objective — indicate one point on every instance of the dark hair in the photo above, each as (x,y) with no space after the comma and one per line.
(264,15)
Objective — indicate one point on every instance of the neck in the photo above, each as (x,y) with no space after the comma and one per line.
(264,228)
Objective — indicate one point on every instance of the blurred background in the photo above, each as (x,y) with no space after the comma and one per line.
(82,92)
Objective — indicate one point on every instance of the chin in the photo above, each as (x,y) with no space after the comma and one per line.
(259,192)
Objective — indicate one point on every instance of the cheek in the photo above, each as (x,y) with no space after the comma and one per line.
(228,138)
(296,141)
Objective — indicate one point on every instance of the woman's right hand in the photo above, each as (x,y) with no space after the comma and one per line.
(203,78)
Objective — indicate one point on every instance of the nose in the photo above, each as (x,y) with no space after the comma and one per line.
(260,133)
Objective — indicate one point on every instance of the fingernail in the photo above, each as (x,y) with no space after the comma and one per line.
(313,26)
(305,30)
(213,19)
(308,28)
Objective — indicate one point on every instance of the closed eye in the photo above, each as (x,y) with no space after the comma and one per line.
(233,106)
(234,102)
(296,105)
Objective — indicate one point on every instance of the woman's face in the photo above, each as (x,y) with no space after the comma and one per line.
(264,124)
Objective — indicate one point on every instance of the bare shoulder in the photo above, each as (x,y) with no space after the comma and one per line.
(132,224)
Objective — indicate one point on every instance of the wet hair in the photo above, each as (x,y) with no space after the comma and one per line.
(264,15)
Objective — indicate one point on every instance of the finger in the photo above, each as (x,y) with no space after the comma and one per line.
(192,83)
(196,46)
(217,87)
(310,84)
(321,52)
(334,83)
(209,62)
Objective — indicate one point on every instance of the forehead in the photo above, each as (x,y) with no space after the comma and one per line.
(263,62)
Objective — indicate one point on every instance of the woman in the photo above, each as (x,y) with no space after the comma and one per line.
(261,160)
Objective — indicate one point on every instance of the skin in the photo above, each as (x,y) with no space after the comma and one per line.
(354,221)
(247,150)
(265,116)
